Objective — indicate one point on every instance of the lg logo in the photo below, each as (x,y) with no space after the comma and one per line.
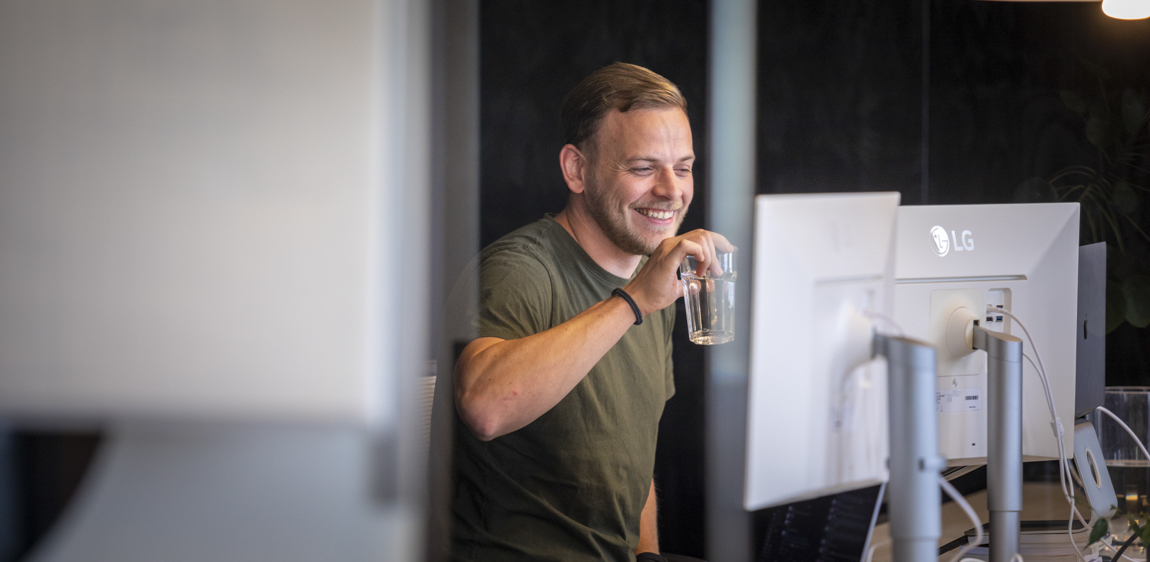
(941,243)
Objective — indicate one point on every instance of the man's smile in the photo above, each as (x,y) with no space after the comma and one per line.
(656,214)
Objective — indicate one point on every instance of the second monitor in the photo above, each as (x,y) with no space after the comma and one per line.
(1021,259)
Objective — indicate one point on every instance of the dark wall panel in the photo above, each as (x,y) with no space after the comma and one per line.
(839,97)
(996,72)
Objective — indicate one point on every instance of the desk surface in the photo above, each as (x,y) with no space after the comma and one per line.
(1040,501)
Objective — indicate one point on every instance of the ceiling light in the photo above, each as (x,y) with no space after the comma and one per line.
(1126,9)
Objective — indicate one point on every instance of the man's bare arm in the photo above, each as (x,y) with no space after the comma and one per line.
(648,525)
(503,385)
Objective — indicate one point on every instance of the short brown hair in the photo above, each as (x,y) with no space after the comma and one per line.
(619,86)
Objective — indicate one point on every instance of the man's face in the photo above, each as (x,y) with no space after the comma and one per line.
(639,185)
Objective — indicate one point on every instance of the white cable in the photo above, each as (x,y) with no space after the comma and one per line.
(961,501)
(874,547)
(1127,428)
(1074,512)
(1067,490)
(1063,471)
(1110,546)
(1070,497)
(875,315)
(1064,478)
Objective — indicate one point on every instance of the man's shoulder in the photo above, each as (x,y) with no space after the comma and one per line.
(535,242)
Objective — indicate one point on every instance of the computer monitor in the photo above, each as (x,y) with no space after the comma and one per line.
(187,235)
(817,403)
(1023,258)
(210,246)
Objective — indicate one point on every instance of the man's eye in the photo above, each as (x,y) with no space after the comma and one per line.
(642,170)
(682,171)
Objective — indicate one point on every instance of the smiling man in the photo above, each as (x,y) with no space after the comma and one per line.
(559,398)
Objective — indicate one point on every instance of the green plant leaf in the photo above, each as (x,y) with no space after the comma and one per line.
(1144,534)
(1133,111)
(1115,306)
(1137,290)
(1073,101)
(1101,527)
(1099,132)
(1035,190)
(1124,199)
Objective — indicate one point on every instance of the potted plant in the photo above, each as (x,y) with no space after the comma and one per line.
(1112,193)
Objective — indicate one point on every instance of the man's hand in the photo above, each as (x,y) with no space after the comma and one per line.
(657,286)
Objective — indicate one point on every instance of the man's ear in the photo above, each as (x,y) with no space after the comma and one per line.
(574,166)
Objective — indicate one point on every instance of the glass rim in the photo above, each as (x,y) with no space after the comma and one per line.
(730,271)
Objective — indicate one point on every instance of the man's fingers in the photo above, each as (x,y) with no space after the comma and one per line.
(685,248)
(715,266)
(714,243)
(705,257)
(705,246)
(721,243)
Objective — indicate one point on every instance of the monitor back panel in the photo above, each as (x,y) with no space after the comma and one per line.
(1090,383)
(1023,258)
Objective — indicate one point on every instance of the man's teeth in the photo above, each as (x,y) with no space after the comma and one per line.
(658,215)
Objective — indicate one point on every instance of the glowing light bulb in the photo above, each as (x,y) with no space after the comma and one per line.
(1126,9)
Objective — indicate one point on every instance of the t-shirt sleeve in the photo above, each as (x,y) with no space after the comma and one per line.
(514,296)
(669,322)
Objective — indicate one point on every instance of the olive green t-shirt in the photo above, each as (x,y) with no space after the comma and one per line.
(570,485)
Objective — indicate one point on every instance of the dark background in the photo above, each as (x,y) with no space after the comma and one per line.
(841,105)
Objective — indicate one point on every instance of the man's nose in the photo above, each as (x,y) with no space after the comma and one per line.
(668,185)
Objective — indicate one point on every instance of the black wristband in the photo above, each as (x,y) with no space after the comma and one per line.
(649,557)
(634,308)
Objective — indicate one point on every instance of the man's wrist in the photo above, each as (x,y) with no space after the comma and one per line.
(630,302)
(640,299)
(649,557)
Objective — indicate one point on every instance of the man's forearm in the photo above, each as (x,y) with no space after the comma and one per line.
(503,385)
(649,524)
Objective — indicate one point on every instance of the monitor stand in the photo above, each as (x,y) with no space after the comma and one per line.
(1003,439)
(913,491)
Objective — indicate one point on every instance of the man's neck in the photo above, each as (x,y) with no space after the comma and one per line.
(586,232)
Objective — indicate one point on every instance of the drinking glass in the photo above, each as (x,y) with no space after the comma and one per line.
(710,300)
